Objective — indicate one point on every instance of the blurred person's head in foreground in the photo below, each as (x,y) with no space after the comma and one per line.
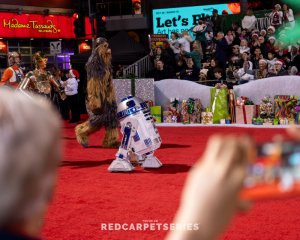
(29,156)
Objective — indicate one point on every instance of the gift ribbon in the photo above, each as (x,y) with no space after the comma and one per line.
(280,102)
(215,99)
(244,114)
(231,105)
(241,103)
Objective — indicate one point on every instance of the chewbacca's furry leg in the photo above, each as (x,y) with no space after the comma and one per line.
(82,131)
(111,139)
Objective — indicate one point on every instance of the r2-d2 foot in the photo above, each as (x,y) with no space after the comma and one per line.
(120,165)
(151,162)
(140,136)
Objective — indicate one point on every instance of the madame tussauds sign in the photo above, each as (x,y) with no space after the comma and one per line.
(46,27)
(13,25)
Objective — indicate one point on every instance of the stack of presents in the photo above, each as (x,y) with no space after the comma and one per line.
(226,108)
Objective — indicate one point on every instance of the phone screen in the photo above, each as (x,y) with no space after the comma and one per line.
(276,173)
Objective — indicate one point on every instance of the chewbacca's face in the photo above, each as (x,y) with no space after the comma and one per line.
(104,51)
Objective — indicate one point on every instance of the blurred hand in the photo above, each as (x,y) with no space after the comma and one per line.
(210,196)
(294,132)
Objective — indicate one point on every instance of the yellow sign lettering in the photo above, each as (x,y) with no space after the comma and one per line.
(49,27)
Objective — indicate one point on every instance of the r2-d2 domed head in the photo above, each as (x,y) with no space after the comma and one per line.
(130,106)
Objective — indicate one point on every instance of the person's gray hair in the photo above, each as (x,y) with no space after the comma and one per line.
(30,151)
(293,70)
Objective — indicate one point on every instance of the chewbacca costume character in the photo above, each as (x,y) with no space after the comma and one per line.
(100,101)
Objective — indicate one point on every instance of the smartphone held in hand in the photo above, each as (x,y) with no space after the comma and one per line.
(275,173)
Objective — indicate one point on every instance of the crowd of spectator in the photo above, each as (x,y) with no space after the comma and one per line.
(208,55)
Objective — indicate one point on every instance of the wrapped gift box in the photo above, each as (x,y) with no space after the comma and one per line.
(167,117)
(284,106)
(207,117)
(191,110)
(196,116)
(156,113)
(245,114)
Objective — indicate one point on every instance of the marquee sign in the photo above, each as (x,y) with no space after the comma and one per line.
(169,20)
(13,25)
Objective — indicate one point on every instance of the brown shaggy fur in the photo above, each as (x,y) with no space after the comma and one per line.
(100,101)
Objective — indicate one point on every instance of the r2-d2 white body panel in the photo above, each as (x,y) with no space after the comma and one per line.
(140,136)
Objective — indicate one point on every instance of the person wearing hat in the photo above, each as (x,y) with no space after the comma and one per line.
(263,33)
(203,74)
(13,75)
(278,69)
(71,90)
(271,31)
(276,16)
(270,44)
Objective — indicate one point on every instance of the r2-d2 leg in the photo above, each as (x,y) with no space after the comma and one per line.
(151,161)
(122,162)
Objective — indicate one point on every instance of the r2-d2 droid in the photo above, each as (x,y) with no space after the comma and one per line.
(140,136)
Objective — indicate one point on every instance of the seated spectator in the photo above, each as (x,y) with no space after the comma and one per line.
(180,64)
(271,60)
(243,35)
(244,74)
(161,72)
(233,66)
(160,54)
(211,67)
(235,51)
(293,71)
(219,77)
(191,72)
(278,69)
(254,41)
(295,57)
(270,31)
(29,156)
(262,72)
(229,37)
(256,57)
(293,52)
(244,46)
(263,47)
(271,41)
(249,21)
(203,75)
(281,51)
(263,33)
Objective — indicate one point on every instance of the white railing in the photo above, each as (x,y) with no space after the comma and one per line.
(140,68)
(263,23)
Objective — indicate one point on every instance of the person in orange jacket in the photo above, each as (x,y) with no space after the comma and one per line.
(12,75)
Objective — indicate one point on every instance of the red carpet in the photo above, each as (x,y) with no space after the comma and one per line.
(87,195)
